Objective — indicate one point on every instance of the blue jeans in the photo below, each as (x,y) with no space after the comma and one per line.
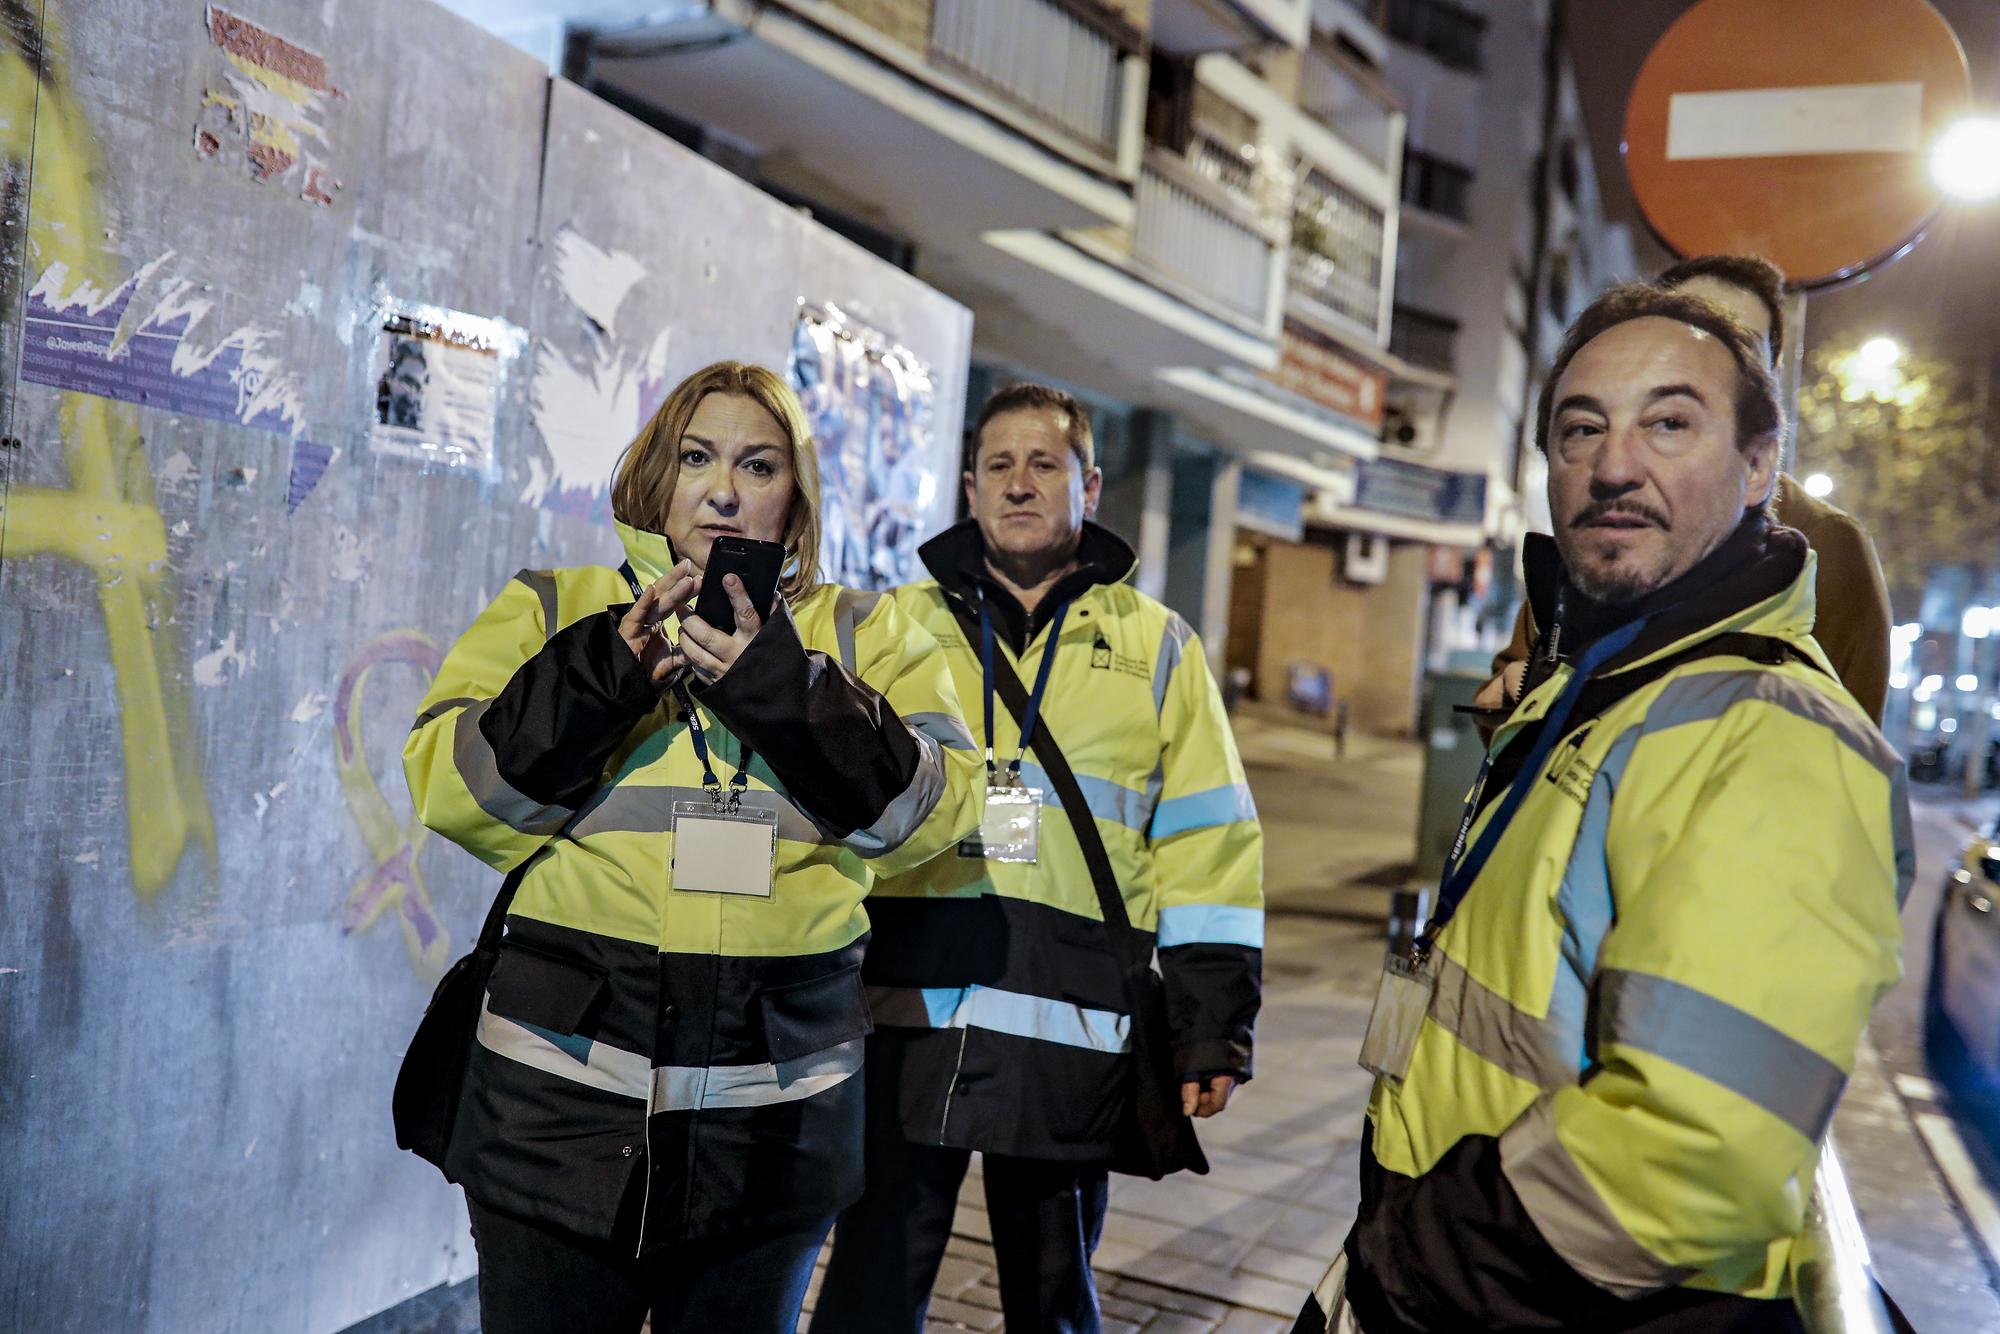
(533,1280)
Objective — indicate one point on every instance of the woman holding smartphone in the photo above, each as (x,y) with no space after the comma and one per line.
(663,1110)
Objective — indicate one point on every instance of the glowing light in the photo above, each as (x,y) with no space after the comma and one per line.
(1900,681)
(1968,683)
(1907,633)
(1965,161)
(1948,726)
(1879,355)
(1977,622)
(1819,486)
(1932,683)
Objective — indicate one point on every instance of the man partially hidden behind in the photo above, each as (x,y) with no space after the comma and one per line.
(1628,1023)
(1000,1013)
(1853,624)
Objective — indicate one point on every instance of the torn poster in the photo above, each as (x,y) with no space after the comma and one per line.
(80,337)
(437,386)
(272,110)
(869,402)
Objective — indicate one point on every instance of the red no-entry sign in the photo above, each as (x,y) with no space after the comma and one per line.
(1794,129)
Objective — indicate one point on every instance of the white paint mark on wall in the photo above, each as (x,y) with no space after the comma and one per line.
(587,414)
(310,706)
(214,668)
(350,562)
(90,858)
(596,280)
(180,468)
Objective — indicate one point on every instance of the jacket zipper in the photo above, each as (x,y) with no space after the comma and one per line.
(952,1088)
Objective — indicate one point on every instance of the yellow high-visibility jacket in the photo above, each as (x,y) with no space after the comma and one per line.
(1649,1000)
(706,1041)
(1000,1014)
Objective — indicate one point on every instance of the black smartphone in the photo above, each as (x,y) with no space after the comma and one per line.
(756,563)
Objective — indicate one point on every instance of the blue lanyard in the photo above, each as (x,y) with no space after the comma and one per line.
(1465,868)
(741,782)
(1034,712)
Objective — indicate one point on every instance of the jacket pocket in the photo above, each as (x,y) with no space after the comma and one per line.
(531,987)
(804,1017)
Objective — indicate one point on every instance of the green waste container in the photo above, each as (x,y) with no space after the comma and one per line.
(1452,752)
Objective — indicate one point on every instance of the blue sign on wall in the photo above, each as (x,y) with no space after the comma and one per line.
(1391,486)
(1275,505)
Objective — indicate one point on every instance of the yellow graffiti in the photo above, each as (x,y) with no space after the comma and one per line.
(107,519)
(395,880)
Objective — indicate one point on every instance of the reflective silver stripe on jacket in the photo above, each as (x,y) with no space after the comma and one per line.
(670,1088)
(1569,1213)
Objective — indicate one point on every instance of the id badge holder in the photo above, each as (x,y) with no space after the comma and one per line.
(725,849)
(1401,1002)
(1010,827)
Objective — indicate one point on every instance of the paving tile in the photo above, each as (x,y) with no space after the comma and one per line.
(956,1274)
(1168,1299)
(963,1314)
(1176,1322)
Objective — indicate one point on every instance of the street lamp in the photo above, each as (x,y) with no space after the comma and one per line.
(1965,161)
(1819,486)
(1880,355)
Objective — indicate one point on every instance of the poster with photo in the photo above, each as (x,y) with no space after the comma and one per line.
(870,405)
(437,393)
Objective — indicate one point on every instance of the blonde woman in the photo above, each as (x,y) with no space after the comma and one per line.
(663,1111)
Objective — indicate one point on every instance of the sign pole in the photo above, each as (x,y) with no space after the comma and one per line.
(1791,372)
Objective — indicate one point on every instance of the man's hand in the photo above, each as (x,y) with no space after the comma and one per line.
(1206,1102)
(712,650)
(660,656)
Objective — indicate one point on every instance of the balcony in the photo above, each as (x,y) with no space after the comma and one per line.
(1436,185)
(1447,32)
(1192,27)
(1022,114)
(1041,57)
(1197,228)
(1351,100)
(1424,339)
(1337,245)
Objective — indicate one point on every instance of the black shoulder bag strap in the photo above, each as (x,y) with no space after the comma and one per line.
(1015,696)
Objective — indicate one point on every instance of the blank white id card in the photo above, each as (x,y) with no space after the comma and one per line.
(1010,826)
(1401,1003)
(720,851)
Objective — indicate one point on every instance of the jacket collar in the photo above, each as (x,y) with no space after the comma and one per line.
(649,554)
(1760,579)
(956,558)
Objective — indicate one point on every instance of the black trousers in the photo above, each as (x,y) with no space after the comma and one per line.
(1047,1218)
(536,1281)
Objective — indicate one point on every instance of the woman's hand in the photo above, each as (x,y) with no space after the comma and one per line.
(660,656)
(710,651)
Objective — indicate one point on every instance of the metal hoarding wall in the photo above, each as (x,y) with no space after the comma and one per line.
(230,560)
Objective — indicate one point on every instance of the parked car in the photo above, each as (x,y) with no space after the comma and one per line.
(1962,1001)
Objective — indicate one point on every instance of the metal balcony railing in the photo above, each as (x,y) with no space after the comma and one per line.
(1436,184)
(1202,237)
(1038,56)
(1337,248)
(1349,101)
(1421,337)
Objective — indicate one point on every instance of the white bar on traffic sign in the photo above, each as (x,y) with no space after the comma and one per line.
(1792,122)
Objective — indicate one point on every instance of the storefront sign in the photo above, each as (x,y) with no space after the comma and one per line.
(1391,486)
(1315,369)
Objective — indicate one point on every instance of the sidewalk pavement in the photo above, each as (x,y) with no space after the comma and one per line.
(1236,1251)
